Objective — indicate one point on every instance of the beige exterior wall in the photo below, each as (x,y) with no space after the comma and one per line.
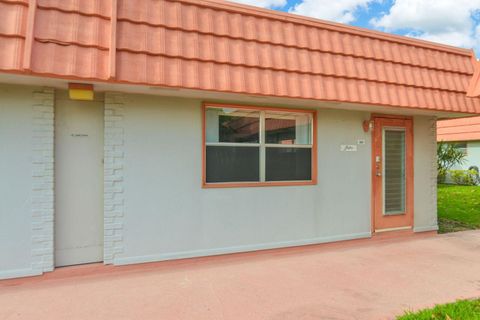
(155,208)
(425,174)
(168,215)
(26,183)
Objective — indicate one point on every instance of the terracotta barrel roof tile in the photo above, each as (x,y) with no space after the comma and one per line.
(101,8)
(12,17)
(11,50)
(75,61)
(220,46)
(72,28)
(474,86)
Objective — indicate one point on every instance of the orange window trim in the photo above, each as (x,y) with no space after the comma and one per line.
(314,169)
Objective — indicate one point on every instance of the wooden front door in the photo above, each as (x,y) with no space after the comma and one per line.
(392,174)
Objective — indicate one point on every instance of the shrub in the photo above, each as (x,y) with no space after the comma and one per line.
(442,175)
(464,177)
(448,155)
(475,171)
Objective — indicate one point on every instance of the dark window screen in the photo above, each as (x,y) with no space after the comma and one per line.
(288,164)
(232,164)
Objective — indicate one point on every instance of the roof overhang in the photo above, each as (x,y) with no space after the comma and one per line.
(221,97)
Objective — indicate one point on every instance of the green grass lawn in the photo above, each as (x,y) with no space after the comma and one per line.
(458,208)
(460,310)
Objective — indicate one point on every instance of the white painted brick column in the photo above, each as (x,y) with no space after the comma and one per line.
(113,176)
(43,181)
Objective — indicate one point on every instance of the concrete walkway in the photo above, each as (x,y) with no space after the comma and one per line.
(368,279)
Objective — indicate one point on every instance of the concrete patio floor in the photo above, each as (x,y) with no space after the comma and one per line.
(366,279)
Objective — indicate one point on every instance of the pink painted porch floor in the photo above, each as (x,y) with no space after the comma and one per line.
(367,279)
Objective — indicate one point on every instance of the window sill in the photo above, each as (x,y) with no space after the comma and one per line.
(257,184)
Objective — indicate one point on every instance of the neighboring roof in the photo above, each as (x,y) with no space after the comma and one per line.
(474,87)
(220,46)
(463,129)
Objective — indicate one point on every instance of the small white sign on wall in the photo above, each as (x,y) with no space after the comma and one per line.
(348,148)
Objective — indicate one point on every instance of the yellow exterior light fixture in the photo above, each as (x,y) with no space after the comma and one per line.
(80,91)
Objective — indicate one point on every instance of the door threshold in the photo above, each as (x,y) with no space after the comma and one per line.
(86,264)
(393,229)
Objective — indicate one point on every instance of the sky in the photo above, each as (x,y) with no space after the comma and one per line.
(452,22)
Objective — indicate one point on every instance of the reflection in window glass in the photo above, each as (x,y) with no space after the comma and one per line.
(233,125)
(257,145)
(238,129)
(287,128)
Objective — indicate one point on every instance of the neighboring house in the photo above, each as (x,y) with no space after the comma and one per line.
(138,131)
(465,134)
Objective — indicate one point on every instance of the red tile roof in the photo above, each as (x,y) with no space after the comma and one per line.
(463,129)
(474,87)
(219,46)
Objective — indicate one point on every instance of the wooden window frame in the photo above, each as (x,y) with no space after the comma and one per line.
(314,163)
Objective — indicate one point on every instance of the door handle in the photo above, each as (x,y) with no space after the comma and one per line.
(378,171)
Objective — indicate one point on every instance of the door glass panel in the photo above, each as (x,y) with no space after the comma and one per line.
(394,171)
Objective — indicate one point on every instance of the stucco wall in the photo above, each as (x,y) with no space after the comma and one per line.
(168,215)
(425,174)
(26,183)
(155,207)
